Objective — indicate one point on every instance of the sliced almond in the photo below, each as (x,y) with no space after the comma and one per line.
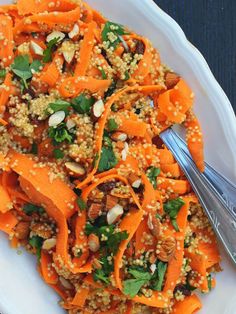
(49,244)
(93,242)
(74,169)
(171,79)
(74,32)
(111,201)
(119,136)
(96,264)
(70,124)
(94,211)
(134,180)
(114,214)
(36,48)
(153,268)
(98,109)
(56,118)
(66,284)
(125,151)
(154,225)
(55,34)
(68,49)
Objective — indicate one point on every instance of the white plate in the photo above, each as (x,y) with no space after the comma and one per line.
(21,289)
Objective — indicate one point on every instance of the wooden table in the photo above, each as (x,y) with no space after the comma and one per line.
(211,26)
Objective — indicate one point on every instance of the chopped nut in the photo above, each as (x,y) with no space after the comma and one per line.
(119,136)
(111,201)
(56,118)
(49,244)
(171,79)
(22,230)
(93,242)
(97,264)
(36,48)
(166,248)
(97,110)
(41,229)
(55,34)
(114,214)
(74,169)
(74,32)
(94,211)
(134,180)
(152,258)
(66,284)
(154,225)
(68,50)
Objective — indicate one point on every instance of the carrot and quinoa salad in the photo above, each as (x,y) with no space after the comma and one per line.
(86,184)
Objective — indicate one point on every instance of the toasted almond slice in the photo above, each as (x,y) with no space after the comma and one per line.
(68,49)
(74,32)
(119,136)
(22,230)
(97,109)
(93,242)
(56,118)
(55,34)
(36,48)
(114,214)
(49,244)
(74,169)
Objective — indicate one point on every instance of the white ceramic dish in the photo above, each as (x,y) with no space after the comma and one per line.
(21,289)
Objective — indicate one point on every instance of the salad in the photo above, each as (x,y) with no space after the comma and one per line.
(86,184)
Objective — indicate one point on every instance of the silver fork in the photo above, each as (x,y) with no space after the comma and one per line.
(223,186)
(221,217)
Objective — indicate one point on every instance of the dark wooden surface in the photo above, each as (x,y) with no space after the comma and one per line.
(211,26)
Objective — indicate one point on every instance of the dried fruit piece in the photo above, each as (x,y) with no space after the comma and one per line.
(171,79)
(93,242)
(22,230)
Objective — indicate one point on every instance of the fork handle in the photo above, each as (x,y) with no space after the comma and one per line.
(219,214)
(225,188)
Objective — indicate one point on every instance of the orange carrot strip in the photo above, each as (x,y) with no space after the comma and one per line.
(85,50)
(32,6)
(178,186)
(195,140)
(3,122)
(5,201)
(48,271)
(39,177)
(175,264)
(6,41)
(51,72)
(80,296)
(7,222)
(5,92)
(173,170)
(73,86)
(57,17)
(189,305)
(132,127)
